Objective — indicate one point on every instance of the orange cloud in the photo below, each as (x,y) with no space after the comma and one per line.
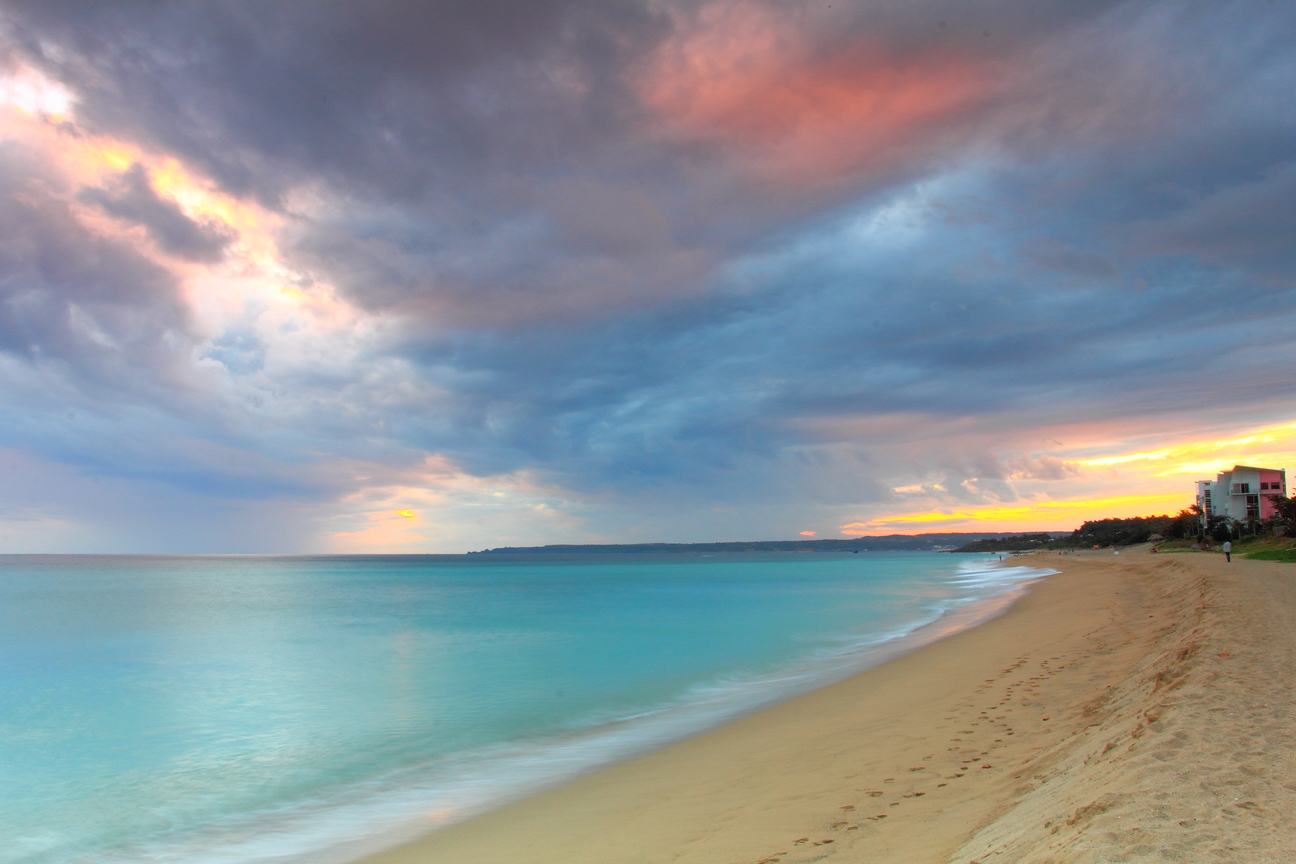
(1274,445)
(390,530)
(1149,472)
(808,533)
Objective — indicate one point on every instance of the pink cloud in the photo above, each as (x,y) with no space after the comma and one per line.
(744,77)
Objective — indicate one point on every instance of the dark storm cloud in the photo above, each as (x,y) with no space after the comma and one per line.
(132,197)
(393,95)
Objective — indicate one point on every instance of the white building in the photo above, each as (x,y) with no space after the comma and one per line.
(1244,494)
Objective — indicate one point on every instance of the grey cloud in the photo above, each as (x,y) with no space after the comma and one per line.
(691,394)
(565,260)
(133,198)
(1052,254)
(70,297)
(605,219)
(1043,468)
(386,95)
(1250,223)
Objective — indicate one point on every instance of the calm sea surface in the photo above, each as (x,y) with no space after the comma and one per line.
(255,709)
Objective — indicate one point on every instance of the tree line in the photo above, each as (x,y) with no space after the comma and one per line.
(1187,524)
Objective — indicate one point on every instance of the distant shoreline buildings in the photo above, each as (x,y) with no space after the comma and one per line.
(1244,494)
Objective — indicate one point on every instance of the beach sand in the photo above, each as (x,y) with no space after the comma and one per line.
(1132,708)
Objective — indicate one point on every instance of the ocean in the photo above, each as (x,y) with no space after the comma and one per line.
(206,709)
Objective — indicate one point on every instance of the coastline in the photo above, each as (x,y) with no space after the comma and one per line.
(1081,725)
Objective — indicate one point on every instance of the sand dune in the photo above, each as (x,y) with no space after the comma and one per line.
(1133,708)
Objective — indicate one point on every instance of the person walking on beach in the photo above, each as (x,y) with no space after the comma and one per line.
(1228,551)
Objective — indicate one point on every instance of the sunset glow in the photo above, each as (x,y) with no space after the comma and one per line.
(1039,516)
(1158,482)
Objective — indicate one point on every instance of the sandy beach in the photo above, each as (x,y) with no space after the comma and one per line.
(1132,708)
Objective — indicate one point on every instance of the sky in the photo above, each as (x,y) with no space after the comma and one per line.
(440,276)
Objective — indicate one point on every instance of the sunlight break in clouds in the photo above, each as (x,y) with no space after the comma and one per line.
(252,277)
(249,295)
(33,93)
(436,504)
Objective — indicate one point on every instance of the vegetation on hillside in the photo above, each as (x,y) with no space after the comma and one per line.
(1139,529)
(1017,543)
(1186,526)
(1183,530)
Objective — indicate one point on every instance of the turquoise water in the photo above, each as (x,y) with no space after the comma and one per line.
(244,709)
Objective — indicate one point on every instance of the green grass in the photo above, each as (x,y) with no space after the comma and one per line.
(1265,548)
(1287,555)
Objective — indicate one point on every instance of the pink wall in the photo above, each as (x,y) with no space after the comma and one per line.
(1266,495)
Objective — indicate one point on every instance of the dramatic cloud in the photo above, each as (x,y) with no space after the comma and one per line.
(131,197)
(454,274)
(69,296)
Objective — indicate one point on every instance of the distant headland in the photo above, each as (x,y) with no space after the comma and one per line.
(885,543)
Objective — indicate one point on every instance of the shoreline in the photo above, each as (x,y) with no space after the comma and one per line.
(596,749)
(1080,724)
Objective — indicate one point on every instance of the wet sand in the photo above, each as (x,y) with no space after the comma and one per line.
(1138,707)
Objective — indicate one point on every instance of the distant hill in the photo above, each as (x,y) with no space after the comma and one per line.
(886,543)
